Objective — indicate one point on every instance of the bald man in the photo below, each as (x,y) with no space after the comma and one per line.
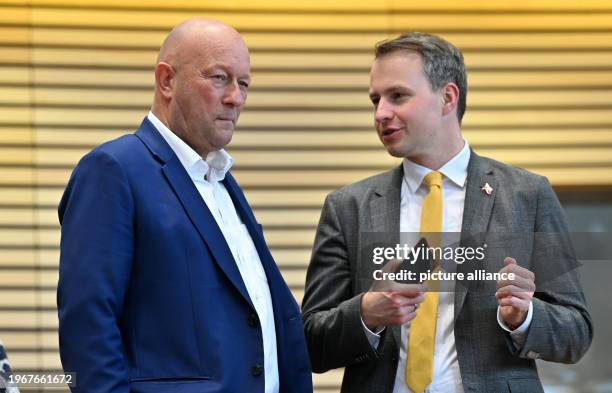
(166,282)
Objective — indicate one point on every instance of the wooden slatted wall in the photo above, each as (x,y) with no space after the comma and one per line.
(76,73)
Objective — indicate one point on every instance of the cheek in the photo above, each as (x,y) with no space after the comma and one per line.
(208,100)
(378,127)
(419,112)
(208,97)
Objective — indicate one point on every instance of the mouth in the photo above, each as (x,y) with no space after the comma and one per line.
(388,133)
(226,119)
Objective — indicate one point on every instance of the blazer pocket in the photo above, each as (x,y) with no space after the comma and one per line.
(525,385)
(175,385)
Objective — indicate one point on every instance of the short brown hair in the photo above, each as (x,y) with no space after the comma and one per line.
(442,61)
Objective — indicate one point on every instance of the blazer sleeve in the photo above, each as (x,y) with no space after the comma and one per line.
(561,329)
(331,312)
(96,250)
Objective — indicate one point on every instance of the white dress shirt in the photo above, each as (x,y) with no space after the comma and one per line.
(446,375)
(207,176)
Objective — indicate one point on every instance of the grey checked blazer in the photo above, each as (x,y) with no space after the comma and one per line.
(520,205)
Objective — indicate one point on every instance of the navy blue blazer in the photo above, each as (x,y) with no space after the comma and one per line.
(149,297)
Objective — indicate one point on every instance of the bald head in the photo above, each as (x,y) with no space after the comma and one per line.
(201,80)
(195,34)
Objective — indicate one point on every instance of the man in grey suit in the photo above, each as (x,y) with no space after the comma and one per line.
(486,333)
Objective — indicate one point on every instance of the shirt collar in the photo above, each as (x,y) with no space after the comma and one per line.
(214,168)
(455,169)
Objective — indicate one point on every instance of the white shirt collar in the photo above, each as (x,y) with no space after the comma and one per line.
(455,169)
(214,168)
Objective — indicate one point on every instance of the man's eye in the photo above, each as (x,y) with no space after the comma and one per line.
(219,77)
(375,101)
(243,84)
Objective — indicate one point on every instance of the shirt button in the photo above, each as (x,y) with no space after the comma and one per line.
(257,370)
(253,320)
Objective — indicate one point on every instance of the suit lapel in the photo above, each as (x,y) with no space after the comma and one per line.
(194,206)
(385,215)
(246,214)
(476,214)
(279,291)
(385,204)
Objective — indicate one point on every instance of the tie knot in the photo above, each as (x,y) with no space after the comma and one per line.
(433,179)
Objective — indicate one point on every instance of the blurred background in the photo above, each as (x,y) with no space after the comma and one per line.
(76,73)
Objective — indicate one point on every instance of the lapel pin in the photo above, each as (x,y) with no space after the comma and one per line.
(487,188)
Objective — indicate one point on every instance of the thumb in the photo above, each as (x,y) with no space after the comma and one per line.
(385,284)
(509,261)
(391,266)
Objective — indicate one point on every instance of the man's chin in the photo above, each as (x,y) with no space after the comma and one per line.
(224,127)
(396,151)
(224,138)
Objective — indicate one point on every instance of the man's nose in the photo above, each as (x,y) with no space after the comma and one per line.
(383,111)
(234,95)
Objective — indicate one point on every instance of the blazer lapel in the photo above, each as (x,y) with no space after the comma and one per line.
(254,228)
(385,204)
(385,215)
(192,202)
(476,214)
(278,288)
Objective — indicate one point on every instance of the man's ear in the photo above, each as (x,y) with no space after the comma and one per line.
(450,98)
(164,79)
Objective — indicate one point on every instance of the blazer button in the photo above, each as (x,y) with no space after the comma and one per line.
(253,320)
(257,370)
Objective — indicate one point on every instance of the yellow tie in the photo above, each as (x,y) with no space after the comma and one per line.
(419,365)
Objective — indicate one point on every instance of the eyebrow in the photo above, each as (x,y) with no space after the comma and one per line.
(399,87)
(226,69)
(391,89)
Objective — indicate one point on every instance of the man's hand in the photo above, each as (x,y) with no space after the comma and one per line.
(514,296)
(389,303)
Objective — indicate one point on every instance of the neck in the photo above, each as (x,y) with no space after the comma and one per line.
(162,114)
(441,152)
